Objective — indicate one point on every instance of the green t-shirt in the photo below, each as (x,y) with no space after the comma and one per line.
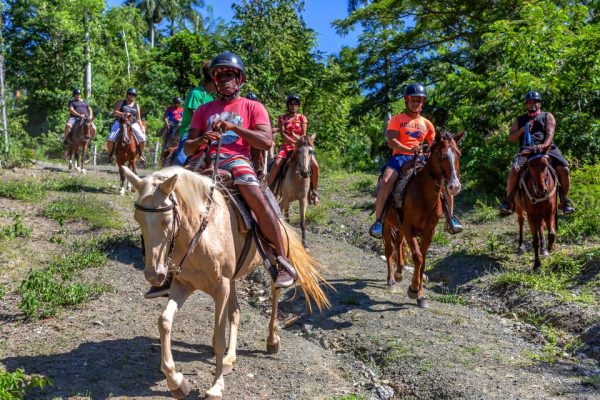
(195,98)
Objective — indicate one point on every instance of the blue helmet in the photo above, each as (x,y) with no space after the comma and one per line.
(415,89)
(533,95)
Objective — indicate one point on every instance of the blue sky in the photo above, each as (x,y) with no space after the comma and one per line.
(318,15)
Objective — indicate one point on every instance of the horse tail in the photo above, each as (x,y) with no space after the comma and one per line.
(309,270)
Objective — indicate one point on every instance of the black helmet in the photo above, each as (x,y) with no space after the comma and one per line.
(252,96)
(533,95)
(76,91)
(132,91)
(415,89)
(228,60)
(176,100)
(291,97)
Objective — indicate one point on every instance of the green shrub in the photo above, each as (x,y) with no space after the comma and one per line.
(585,193)
(26,190)
(15,385)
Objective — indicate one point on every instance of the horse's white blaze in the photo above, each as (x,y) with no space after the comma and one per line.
(454,185)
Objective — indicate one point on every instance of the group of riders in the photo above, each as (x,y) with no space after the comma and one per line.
(216,113)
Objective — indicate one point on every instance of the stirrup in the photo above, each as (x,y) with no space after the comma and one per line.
(453,226)
(505,209)
(376,230)
(566,207)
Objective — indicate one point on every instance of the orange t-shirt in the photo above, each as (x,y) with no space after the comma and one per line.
(411,131)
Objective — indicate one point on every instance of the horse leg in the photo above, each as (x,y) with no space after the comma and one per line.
(285,208)
(273,340)
(400,257)
(175,380)
(521,219)
(535,240)
(551,223)
(426,238)
(234,323)
(221,298)
(543,247)
(303,204)
(389,246)
(413,288)
(122,177)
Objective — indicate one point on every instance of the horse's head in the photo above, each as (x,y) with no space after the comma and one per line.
(87,130)
(444,159)
(303,153)
(156,213)
(538,169)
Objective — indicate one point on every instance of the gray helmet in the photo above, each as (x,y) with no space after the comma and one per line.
(533,95)
(252,96)
(76,91)
(292,96)
(415,89)
(176,100)
(132,91)
(228,60)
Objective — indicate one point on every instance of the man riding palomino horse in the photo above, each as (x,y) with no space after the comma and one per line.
(536,129)
(125,108)
(293,125)
(405,135)
(79,111)
(238,124)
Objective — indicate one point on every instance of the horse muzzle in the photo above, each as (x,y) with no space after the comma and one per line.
(155,276)
(454,187)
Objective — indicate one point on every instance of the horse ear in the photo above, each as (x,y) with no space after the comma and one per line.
(167,186)
(132,177)
(459,135)
(313,137)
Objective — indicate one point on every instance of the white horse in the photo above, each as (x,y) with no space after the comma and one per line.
(176,205)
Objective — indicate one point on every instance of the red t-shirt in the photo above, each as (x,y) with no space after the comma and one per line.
(241,111)
(411,131)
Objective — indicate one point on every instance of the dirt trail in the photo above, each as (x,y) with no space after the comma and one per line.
(373,342)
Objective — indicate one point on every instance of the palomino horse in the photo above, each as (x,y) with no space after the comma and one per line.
(537,197)
(295,184)
(421,210)
(126,148)
(79,139)
(183,214)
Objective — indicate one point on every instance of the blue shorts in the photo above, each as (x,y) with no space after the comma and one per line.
(180,158)
(397,161)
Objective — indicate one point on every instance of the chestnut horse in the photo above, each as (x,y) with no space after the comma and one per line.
(126,148)
(421,210)
(536,196)
(183,214)
(78,141)
(295,184)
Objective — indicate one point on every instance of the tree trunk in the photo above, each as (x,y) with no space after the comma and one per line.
(2,92)
(88,61)
(152,28)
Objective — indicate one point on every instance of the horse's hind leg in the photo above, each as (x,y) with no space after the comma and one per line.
(389,246)
(175,380)
(426,238)
(273,339)
(400,257)
(221,297)
(535,241)
(521,219)
(550,223)
(234,323)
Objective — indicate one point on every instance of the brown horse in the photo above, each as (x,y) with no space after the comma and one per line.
(170,142)
(183,214)
(536,196)
(421,210)
(295,184)
(78,141)
(126,148)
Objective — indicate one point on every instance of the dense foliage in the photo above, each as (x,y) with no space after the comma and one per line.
(476,58)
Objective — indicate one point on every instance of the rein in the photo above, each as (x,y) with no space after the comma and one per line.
(535,200)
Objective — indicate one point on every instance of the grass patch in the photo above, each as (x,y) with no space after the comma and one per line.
(364,185)
(557,345)
(483,213)
(441,238)
(318,215)
(15,385)
(46,292)
(394,352)
(98,213)
(76,184)
(17,229)
(26,190)
(449,298)
(585,192)
(2,291)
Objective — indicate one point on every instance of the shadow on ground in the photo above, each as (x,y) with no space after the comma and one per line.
(460,268)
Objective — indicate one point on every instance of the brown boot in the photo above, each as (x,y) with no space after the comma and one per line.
(286,273)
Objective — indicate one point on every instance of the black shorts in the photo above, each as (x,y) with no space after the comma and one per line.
(557,158)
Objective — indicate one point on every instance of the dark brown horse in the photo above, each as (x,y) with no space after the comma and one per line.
(126,148)
(421,210)
(78,141)
(536,197)
(170,142)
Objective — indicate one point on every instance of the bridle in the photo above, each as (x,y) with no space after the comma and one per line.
(549,194)
(175,228)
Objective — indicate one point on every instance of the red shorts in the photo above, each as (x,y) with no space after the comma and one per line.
(285,151)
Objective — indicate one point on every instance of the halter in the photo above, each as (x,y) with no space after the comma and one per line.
(176,223)
(532,199)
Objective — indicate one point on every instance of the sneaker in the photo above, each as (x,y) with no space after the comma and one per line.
(286,274)
(505,209)
(142,159)
(159,291)
(567,208)
(454,226)
(376,230)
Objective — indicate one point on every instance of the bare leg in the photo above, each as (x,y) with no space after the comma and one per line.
(387,184)
(142,147)
(175,380)
(274,171)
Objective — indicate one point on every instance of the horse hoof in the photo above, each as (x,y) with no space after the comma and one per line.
(182,391)
(422,302)
(398,276)
(227,369)
(412,294)
(391,282)
(273,348)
